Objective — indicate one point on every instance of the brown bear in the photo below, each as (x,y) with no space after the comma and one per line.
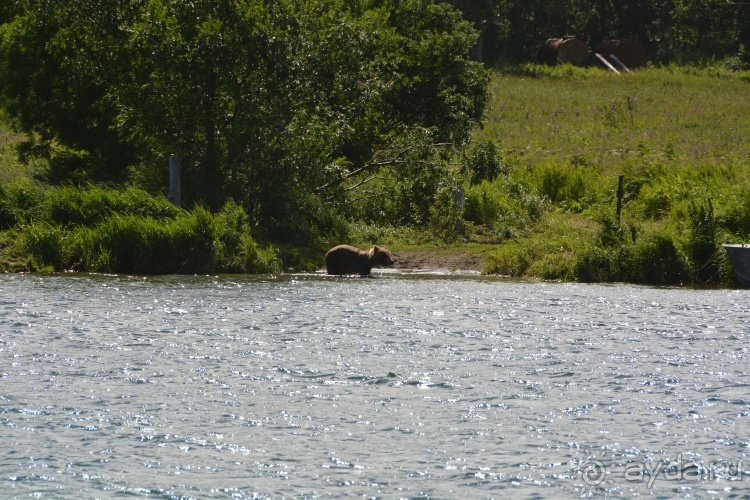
(346,259)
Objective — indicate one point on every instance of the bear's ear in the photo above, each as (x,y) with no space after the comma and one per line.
(375,248)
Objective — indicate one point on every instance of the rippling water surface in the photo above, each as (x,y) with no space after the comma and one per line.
(394,386)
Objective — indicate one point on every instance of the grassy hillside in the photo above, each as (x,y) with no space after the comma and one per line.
(619,123)
(680,137)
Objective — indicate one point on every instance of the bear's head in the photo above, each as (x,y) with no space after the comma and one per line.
(380,256)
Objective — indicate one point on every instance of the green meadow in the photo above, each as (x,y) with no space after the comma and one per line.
(619,123)
(680,137)
(540,184)
(549,157)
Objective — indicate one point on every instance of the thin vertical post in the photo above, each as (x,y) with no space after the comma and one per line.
(459,200)
(619,198)
(175,196)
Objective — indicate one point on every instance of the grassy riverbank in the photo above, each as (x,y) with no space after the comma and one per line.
(679,136)
(561,137)
(123,231)
(555,141)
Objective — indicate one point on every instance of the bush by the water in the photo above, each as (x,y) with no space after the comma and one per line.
(654,260)
(99,230)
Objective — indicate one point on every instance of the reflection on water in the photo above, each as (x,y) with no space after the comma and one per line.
(398,386)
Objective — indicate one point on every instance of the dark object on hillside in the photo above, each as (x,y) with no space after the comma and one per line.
(346,259)
(627,50)
(568,49)
(740,257)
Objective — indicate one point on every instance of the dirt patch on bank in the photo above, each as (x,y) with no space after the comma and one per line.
(438,259)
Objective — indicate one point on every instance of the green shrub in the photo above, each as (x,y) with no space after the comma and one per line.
(89,251)
(45,243)
(656,202)
(233,225)
(238,252)
(611,233)
(599,264)
(566,186)
(530,203)
(702,245)
(72,205)
(552,182)
(654,259)
(144,245)
(195,243)
(485,203)
(483,162)
(736,218)
(135,244)
(657,260)
(326,222)
(8,217)
(249,257)
(509,261)
(554,265)
(502,208)
(26,200)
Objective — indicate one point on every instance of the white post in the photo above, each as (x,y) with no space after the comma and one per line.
(175,195)
(459,199)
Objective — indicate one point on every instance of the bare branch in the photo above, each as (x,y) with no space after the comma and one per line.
(359,198)
(393,160)
(350,188)
(369,179)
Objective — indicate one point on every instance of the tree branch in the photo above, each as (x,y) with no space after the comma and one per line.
(395,159)
(350,188)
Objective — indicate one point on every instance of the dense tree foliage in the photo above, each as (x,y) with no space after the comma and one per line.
(276,104)
(292,107)
(670,30)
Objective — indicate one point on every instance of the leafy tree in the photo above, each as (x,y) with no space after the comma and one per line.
(59,60)
(270,103)
(208,81)
(481,13)
(710,28)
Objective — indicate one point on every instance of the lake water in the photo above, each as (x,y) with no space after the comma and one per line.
(400,385)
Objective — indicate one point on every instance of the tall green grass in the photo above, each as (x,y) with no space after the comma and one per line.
(585,116)
(680,137)
(128,231)
(502,208)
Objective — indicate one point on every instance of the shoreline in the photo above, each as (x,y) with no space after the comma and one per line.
(438,259)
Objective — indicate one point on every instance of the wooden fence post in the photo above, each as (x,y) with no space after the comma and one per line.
(619,198)
(459,200)
(175,196)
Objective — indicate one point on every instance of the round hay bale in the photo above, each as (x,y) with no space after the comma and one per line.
(627,50)
(548,51)
(573,51)
(564,50)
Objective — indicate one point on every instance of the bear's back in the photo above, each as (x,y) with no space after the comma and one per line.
(346,259)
